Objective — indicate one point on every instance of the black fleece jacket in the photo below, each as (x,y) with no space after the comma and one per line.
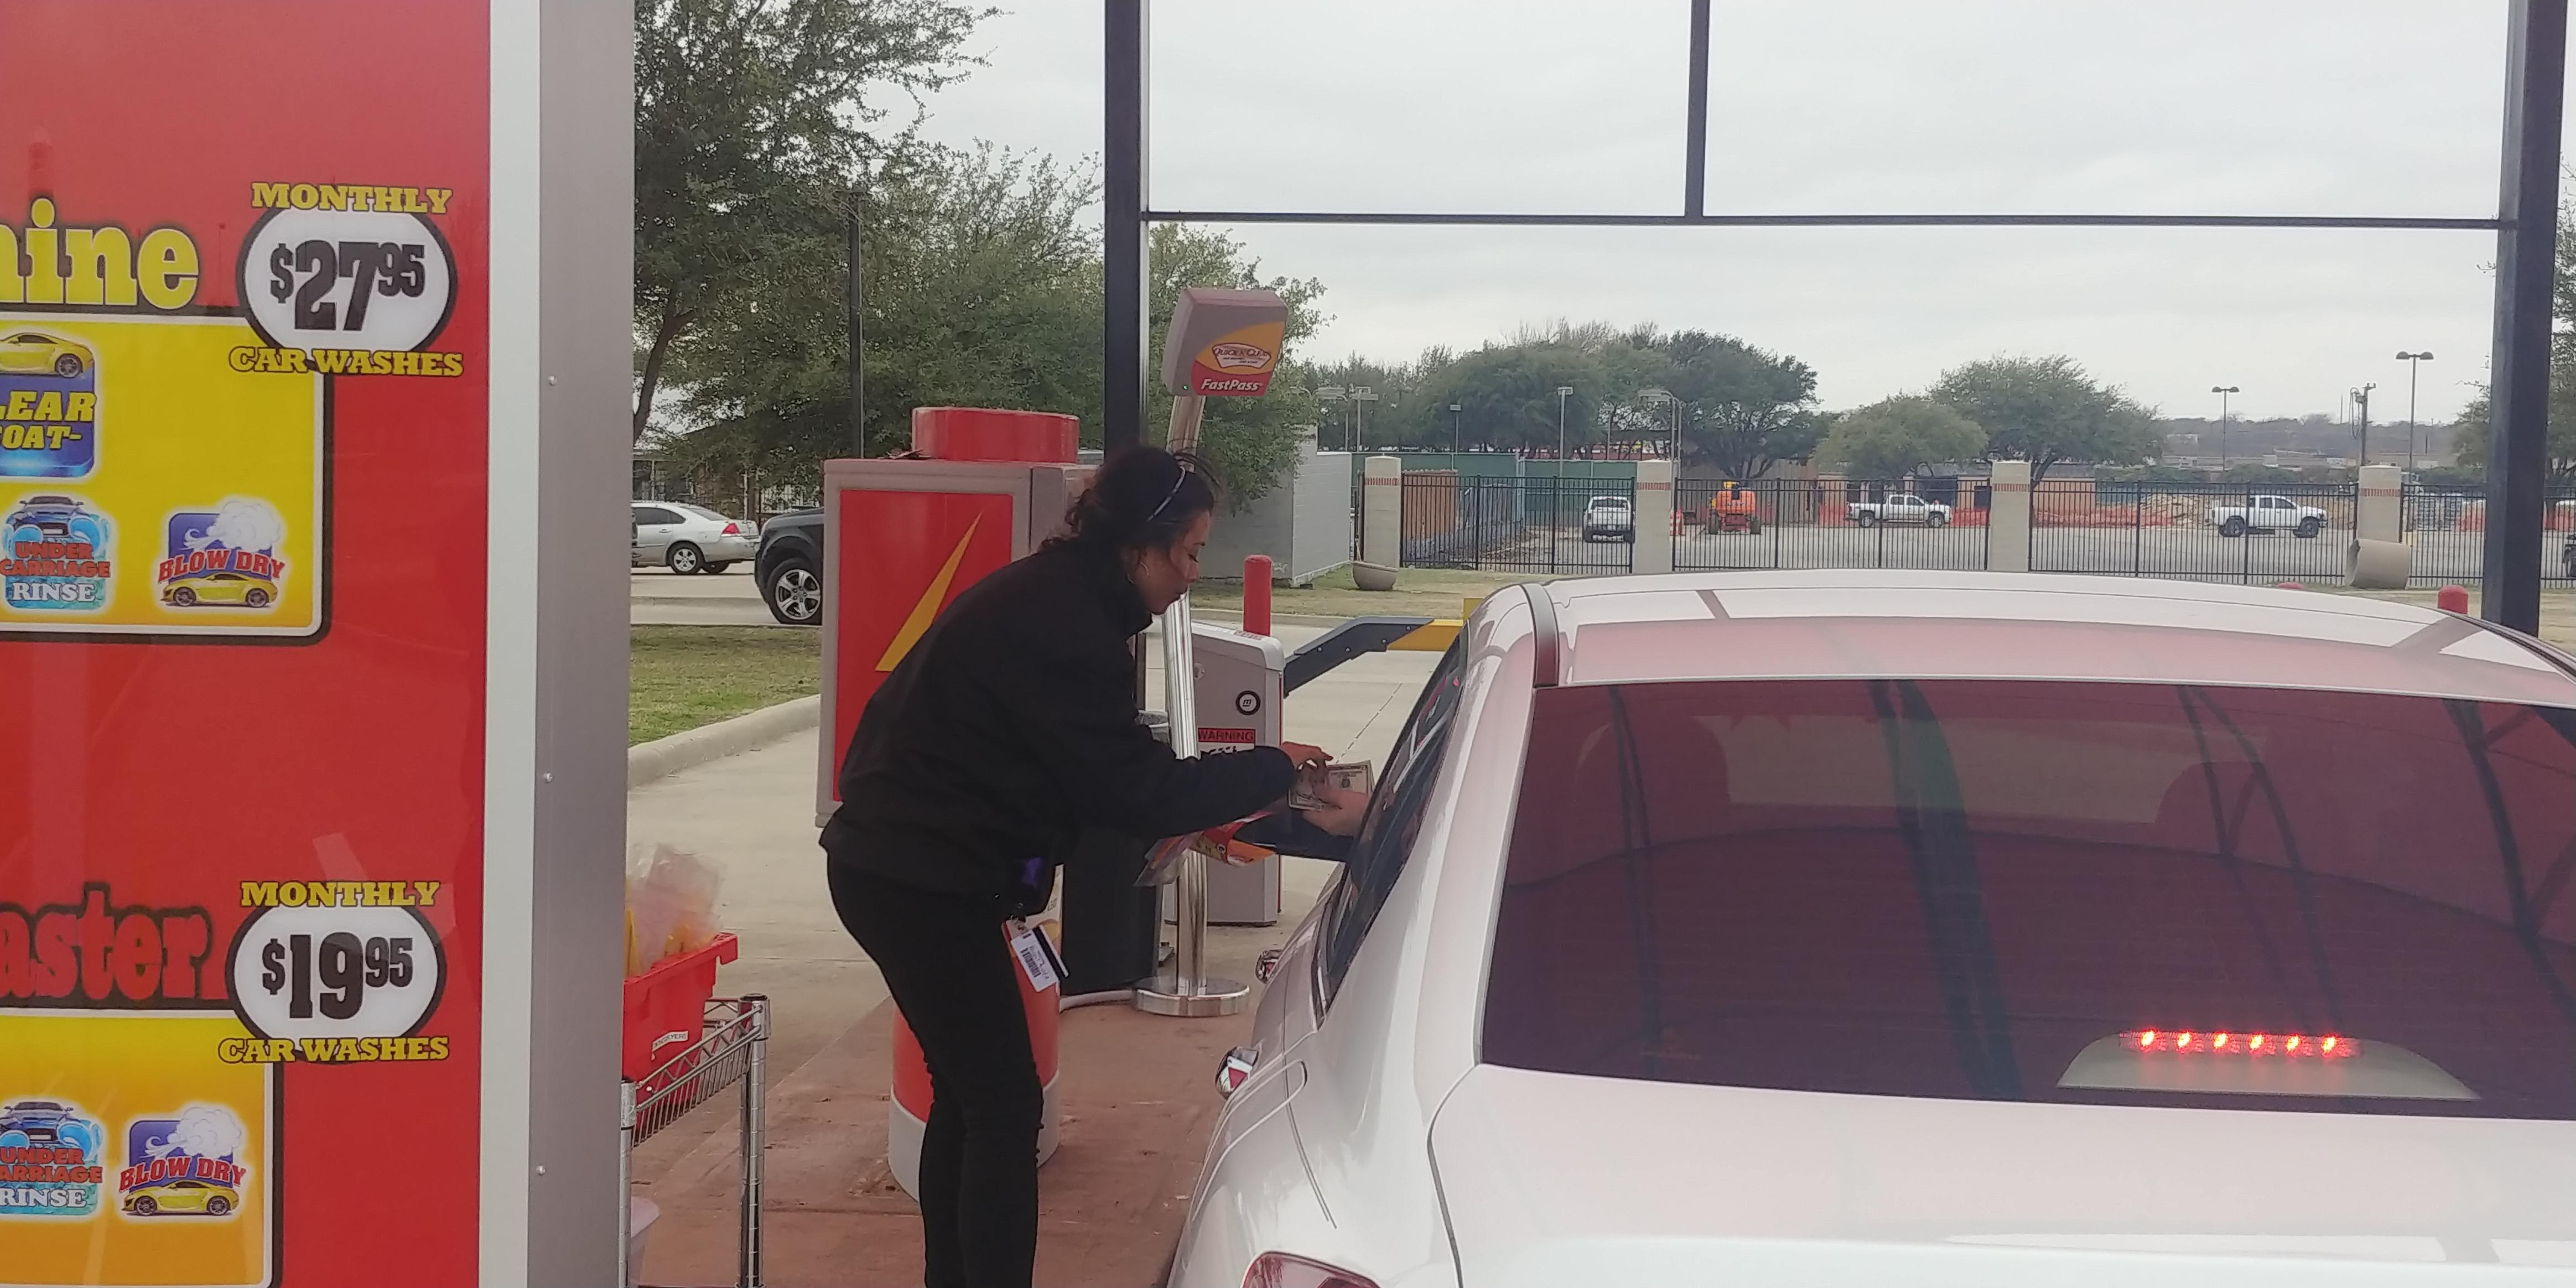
(1011,726)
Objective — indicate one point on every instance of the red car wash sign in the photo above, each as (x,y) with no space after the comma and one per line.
(243,611)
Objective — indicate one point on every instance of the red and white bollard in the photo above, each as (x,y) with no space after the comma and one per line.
(908,1115)
(1256,594)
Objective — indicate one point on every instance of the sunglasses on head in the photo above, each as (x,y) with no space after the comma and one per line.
(1187,468)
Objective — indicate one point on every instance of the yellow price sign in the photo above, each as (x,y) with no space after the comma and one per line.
(153,482)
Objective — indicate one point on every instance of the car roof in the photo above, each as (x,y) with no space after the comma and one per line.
(1867,624)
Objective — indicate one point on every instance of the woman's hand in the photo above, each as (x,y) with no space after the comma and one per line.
(1306,757)
(1341,811)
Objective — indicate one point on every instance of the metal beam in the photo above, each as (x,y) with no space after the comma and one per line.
(1473,219)
(1695,133)
(1123,345)
(2526,257)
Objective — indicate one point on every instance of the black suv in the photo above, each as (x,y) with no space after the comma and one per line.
(790,567)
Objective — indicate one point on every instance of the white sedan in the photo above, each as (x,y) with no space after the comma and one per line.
(1881,929)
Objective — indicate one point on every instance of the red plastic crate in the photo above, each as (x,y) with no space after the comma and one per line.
(666,1007)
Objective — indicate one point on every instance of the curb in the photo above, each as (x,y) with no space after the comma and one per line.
(690,748)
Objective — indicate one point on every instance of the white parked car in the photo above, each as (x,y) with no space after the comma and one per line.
(691,538)
(1863,929)
(2268,514)
(1609,517)
(1904,507)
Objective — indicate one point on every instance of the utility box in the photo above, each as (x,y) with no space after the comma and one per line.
(903,538)
(1304,524)
(1239,682)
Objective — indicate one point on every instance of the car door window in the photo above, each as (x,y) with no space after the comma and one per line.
(1394,819)
(650,514)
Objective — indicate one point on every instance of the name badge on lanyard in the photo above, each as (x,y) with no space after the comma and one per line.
(1037,956)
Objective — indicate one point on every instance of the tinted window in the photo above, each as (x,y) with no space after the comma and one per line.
(650,514)
(1996,889)
(1394,819)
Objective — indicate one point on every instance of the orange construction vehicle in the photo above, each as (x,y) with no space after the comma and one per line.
(1731,510)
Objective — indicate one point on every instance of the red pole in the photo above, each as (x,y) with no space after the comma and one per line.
(1256,594)
(2454,599)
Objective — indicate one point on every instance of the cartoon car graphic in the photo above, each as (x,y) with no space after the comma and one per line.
(177,1197)
(41,1121)
(218,588)
(51,515)
(34,352)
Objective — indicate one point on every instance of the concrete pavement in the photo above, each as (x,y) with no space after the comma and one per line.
(1137,1098)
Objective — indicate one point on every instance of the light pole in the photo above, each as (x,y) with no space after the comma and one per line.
(1563,392)
(1335,394)
(2223,391)
(2361,409)
(1361,395)
(1457,433)
(1663,398)
(2414,364)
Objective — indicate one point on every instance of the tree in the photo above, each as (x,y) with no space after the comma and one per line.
(983,290)
(2469,432)
(1744,409)
(2047,410)
(751,121)
(1507,396)
(1894,437)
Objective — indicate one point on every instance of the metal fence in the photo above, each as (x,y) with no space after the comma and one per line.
(2299,532)
(1515,525)
(2448,529)
(1795,523)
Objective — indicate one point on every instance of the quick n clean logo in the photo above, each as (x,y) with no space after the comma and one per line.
(45,261)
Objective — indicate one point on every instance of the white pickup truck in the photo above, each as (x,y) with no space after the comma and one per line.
(1611,517)
(1904,507)
(2268,514)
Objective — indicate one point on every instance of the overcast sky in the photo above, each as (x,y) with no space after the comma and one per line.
(2377,107)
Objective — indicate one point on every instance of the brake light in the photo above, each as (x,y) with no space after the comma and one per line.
(1280,1270)
(2199,1042)
(733,529)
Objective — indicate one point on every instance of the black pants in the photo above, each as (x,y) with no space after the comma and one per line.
(950,970)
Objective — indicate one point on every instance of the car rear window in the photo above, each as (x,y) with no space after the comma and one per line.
(2070,892)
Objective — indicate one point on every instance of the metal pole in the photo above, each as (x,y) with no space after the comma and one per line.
(2414,370)
(858,331)
(2526,252)
(625,1182)
(1187,989)
(755,1136)
(1123,337)
(1695,130)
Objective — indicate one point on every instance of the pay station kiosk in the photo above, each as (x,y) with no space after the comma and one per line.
(904,536)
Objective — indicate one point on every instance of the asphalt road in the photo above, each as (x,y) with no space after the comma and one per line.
(659,597)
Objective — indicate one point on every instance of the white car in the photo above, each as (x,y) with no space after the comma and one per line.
(1904,507)
(1609,517)
(690,539)
(2268,514)
(1878,929)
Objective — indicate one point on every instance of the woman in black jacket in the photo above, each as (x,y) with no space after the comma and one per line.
(1009,728)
